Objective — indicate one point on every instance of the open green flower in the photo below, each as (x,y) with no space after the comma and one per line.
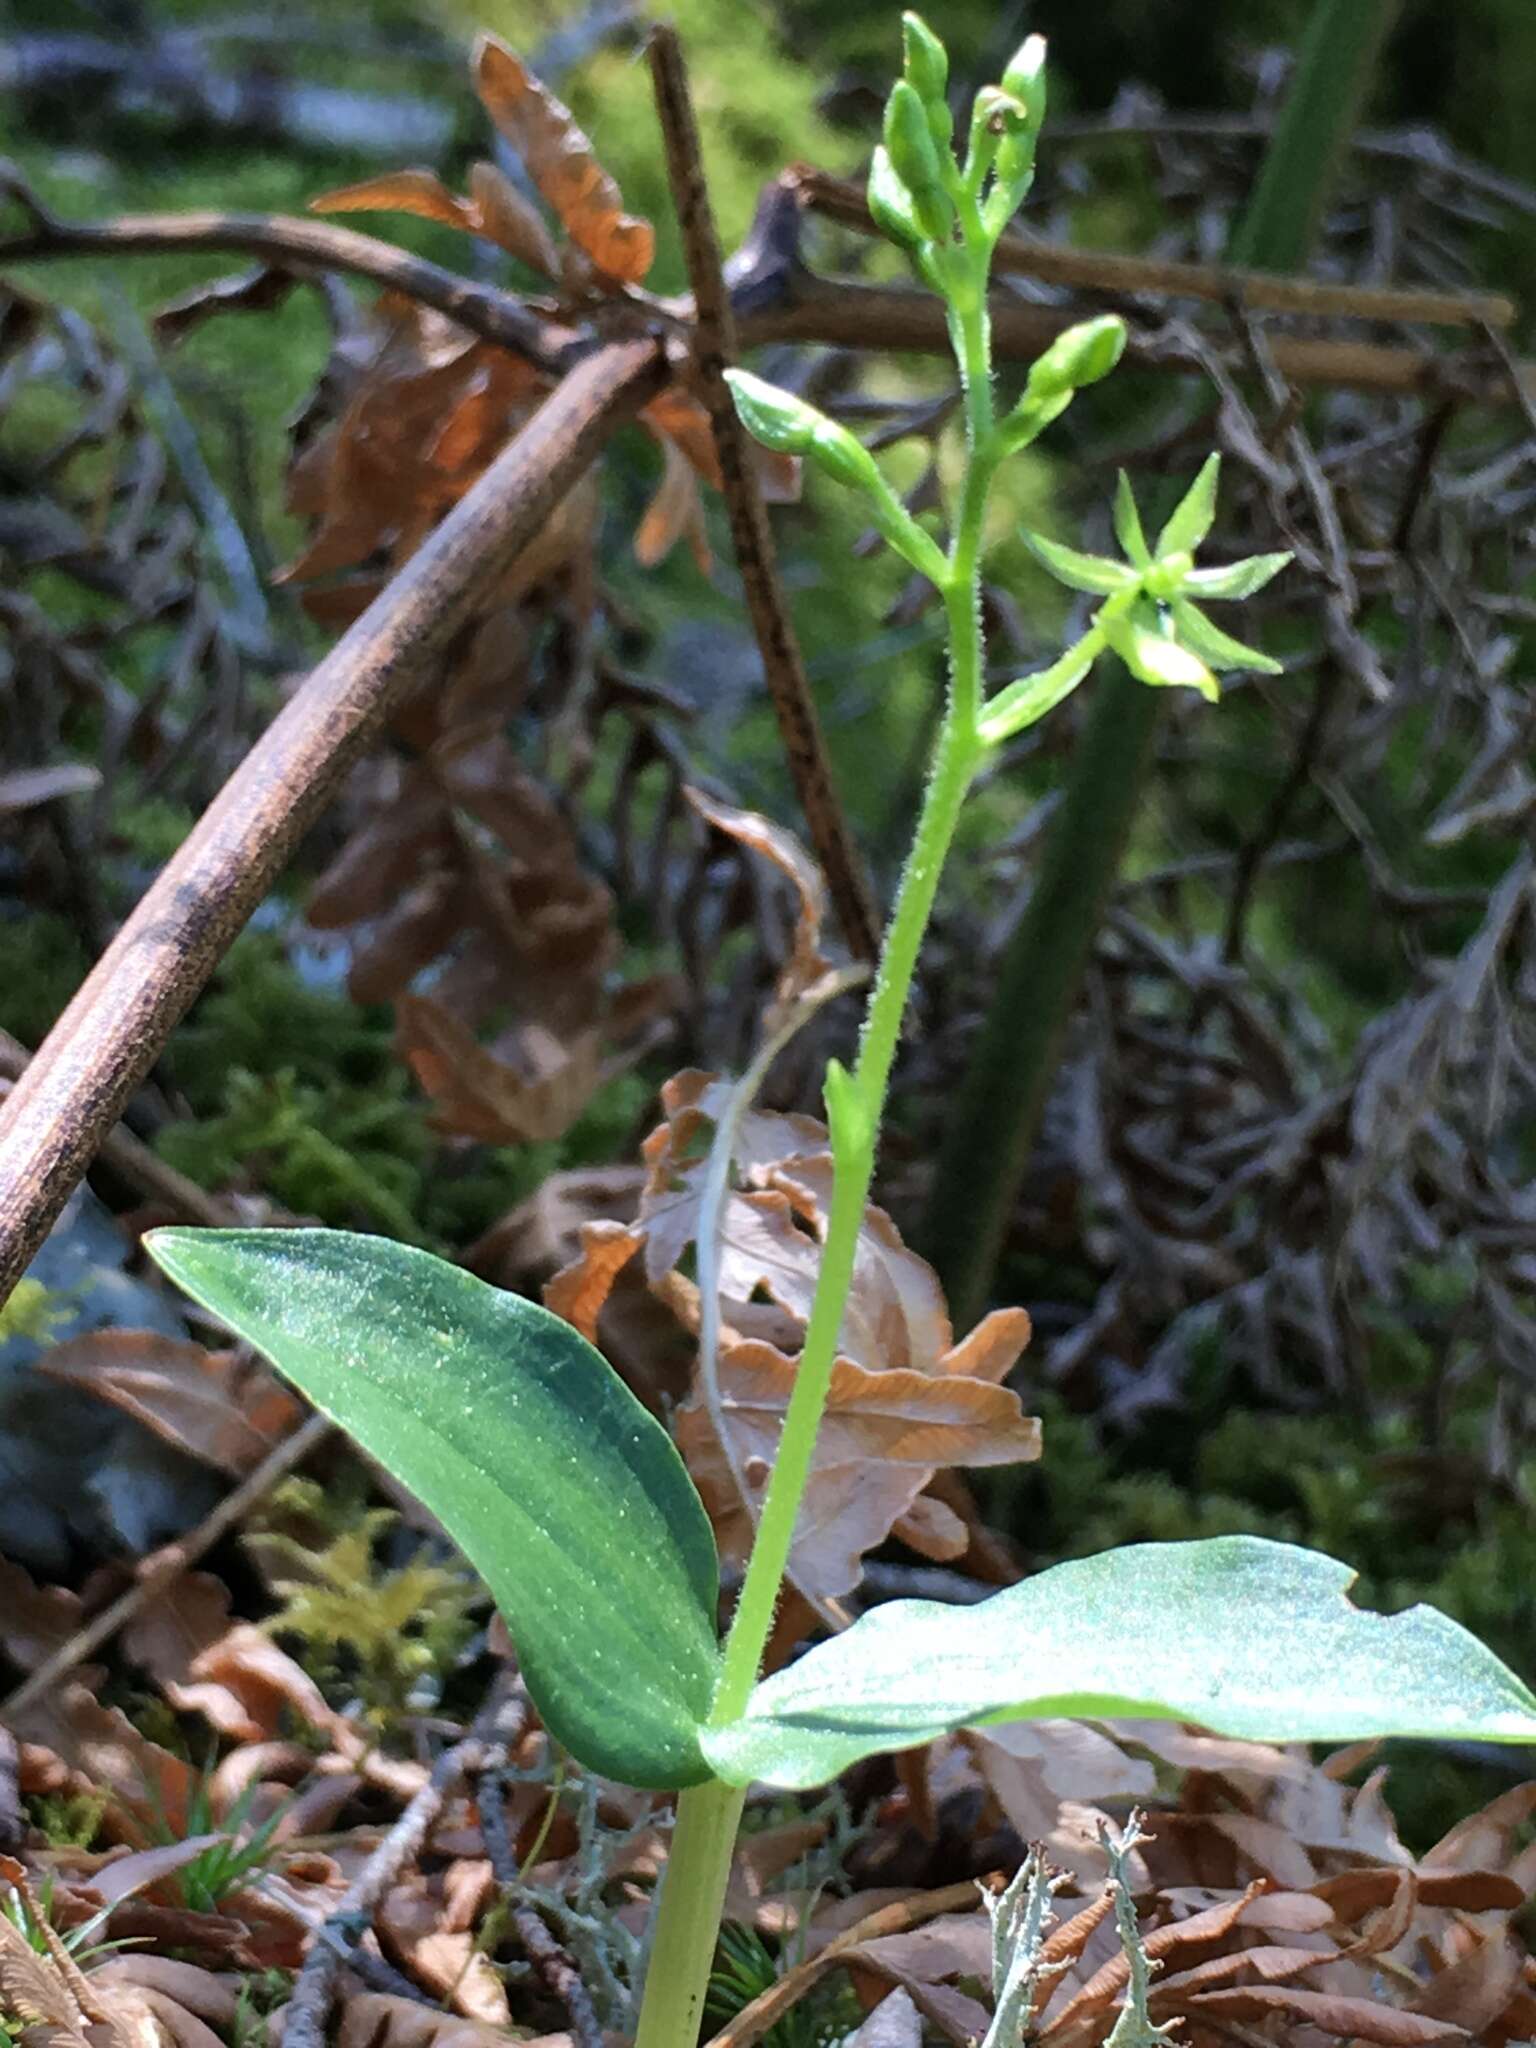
(1150,617)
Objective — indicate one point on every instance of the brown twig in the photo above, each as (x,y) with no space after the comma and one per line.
(132,1158)
(843,314)
(1219,284)
(167,1564)
(754,2020)
(292,243)
(788,304)
(714,350)
(307,2014)
(113,1030)
(559,1973)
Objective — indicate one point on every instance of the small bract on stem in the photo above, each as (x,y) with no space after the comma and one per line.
(570,1498)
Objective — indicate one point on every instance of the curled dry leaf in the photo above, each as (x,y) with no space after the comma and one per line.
(559,159)
(494,209)
(447,1961)
(884,1435)
(1352,2019)
(376,2019)
(147,1787)
(34,1620)
(905,1399)
(676,512)
(232,1673)
(221,1407)
(478,1095)
(807,967)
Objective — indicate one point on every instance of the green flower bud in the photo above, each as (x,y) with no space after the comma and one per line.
(926,66)
(925,60)
(914,157)
(780,420)
(1025,78)
(890,203)
(1082,355)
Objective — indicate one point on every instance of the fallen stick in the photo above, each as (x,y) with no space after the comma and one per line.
(74,1090)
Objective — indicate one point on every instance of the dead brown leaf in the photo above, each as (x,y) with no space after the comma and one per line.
(232,1673)
(375,2019)
(883,1436)
(559,159)
(806,966)
(34,1620)
(477,1095)
(1356,2019)
(676,512)
(218,1406)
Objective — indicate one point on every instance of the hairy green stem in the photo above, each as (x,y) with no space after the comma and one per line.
(855,1119)
(688,1917)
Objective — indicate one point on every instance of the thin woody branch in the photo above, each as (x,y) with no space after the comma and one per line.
(73,1091)
(714,350)
(288,242)
(1220,284)
(776,298)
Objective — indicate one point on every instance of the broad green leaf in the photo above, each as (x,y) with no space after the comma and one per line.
(1217,649)
(1095,573)
(565,1495)
(1242,1636)
(1238,579)
(1194,514)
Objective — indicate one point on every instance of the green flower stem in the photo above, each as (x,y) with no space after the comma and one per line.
(854,1125)
(855,1107)
(688,1918)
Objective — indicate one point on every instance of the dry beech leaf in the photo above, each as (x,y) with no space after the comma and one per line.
(580,1291)
(1078,2017)
(905,1399)
(1475,1989)
(477,1095)
(413,190)
(34,1620)
(148,1786)
(505,217)
(559,159)
(1354,2019)
(676,512)
(807,965)
(1270,1964)
(233,1674)
(217,1406)
(675,415)
(883,1436)
(448,1962)
(376,2019)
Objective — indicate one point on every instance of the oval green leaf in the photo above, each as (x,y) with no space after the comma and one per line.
(567,1497)
(1245,1637)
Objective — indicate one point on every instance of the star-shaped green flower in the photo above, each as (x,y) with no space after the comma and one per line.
(1150,618)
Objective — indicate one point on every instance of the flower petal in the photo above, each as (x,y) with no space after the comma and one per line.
(1195,514)
(1128,524)
(1095,573)
(1239,579)
(1216,648)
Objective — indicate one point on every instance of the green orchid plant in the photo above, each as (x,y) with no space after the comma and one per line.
(571,1499)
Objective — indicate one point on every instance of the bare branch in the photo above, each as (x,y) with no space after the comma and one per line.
(74,1090)
(714,350)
